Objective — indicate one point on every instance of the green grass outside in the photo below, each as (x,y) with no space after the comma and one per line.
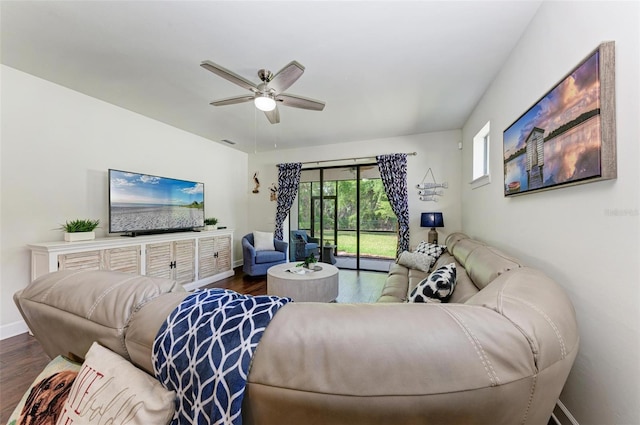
(373,244)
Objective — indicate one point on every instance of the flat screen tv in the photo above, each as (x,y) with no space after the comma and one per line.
(142,203)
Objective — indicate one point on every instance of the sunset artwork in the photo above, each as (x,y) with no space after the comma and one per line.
(558,141)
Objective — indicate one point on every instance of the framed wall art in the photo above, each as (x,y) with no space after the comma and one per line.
(567,137)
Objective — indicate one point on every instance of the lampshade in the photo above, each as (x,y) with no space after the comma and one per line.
(431,219)
(265,102)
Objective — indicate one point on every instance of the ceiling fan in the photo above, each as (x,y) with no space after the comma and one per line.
(269,92)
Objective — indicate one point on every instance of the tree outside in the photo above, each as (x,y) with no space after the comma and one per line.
(378,223)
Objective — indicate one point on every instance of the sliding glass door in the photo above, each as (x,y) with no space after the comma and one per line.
(347,211)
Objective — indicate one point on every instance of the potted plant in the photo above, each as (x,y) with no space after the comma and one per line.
(210,223)
(309,262)
(79,230)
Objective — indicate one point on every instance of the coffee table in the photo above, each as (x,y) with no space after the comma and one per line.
(317,286)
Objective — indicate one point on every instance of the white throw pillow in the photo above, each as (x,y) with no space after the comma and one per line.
(415,260)
(263,241)
(111,390)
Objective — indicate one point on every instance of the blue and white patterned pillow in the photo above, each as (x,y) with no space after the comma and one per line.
(431,249)
(438,287)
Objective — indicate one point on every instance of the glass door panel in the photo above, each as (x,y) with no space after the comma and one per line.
(378,223)
(352,212)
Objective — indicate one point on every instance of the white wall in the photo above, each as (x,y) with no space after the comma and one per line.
(436,150)
(56,148)
(573,233)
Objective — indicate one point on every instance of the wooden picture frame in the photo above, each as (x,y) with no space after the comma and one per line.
(568,136)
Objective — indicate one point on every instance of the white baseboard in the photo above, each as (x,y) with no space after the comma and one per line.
(13,329)
(562,416)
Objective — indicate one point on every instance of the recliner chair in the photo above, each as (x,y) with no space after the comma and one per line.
(256,263)
(304,245)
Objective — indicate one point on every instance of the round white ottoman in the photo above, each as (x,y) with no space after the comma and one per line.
(318,286)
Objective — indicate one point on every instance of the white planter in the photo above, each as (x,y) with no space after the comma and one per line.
(211,227)
(79,236)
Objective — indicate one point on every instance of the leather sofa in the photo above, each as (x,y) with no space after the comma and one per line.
(498,353)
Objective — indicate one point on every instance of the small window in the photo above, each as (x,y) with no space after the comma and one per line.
(481,145)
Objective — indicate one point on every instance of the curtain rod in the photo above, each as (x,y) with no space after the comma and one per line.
(351,159)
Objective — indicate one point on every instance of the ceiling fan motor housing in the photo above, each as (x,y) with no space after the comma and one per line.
(265,75)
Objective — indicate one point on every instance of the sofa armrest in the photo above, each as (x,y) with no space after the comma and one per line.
(412,359)
(68,310)
(280,245)
(451,363)
(306,349)
(249,251)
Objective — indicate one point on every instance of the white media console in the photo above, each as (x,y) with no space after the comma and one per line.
(193,259)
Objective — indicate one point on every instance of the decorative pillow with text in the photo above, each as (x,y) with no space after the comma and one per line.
(110,390)
(438,287)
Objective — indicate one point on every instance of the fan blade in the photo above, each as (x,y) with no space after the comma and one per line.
(273,116)
(286,77)
(232,100)
(296,101)
(228,75)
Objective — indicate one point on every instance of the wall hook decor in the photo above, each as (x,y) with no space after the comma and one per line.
(429,191)
(274,192)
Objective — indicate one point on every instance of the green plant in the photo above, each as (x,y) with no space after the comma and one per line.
(211,221)
(309,260)
(80,225)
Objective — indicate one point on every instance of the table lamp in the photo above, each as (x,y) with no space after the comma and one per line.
(433,220)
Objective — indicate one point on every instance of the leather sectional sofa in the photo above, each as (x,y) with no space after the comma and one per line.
(498,353)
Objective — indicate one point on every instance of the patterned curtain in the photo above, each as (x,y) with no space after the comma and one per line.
(288,181)
(393,171)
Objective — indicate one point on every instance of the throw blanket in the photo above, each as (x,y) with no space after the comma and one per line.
(204,349)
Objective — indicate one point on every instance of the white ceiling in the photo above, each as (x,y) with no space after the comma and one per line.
(384,68)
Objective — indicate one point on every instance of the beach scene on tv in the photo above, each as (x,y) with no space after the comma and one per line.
(558,140)
(141,202)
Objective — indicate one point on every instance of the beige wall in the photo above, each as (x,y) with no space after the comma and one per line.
(438,151)
(585,237)
(57,146)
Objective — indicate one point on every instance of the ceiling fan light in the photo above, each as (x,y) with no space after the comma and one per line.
(265,102)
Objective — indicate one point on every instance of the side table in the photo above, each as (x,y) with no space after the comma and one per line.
(327,254)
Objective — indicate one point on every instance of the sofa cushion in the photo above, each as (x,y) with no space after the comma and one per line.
(395,287)
(416,260)
(144,326)
(269,256)
(465,288)
(263,241)
(485,263)
(453,239)
(463,248)
(438,287)
(431,249)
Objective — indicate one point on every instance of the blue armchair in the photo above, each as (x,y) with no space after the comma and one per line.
(303,245)
(256,263)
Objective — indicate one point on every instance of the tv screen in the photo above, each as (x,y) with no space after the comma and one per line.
(142,203)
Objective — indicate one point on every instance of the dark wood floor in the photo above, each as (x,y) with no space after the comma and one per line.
(22,358)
